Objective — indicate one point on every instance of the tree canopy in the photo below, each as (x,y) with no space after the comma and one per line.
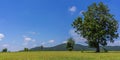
(4,50)
(97,25)
(70,44)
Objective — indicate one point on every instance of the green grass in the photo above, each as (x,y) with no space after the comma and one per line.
(61,55)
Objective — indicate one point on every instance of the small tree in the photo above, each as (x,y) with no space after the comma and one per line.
(70,44)
(41,47)
(4,50)
(26,49)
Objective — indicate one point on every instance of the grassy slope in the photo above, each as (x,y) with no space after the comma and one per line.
(61,55)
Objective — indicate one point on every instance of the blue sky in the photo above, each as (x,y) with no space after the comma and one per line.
(30,23)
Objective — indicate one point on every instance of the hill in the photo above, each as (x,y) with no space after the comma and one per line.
(77,47)
(62,47)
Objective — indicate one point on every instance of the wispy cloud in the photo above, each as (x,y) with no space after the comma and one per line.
(116,43)
(33,33)
(25,43)
(51,41)
(81,12)
(72,9)
(82,40)
(64,41)
(5,45)
(43,43)
(33,40)
(76,37)
(34,45)
(1,36)
(27,39)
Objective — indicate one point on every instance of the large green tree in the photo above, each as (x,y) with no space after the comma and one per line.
(97,25)
(70,44)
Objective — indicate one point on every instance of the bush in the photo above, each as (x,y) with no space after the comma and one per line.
(4,50)
(26,49)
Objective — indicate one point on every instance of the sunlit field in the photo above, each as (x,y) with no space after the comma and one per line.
(61,55)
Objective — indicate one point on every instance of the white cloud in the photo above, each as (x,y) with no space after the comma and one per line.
(76,37)
(81,40)
(119,34)
(64,41)
(1,36)
(27,39)
(34,33)
(25,43)
(51,41)
(72,9)
(33,40)
(5,45)
(43,43)
(116,43)
(81,12)
(34,45)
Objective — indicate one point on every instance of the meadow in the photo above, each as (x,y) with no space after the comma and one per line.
(61,55)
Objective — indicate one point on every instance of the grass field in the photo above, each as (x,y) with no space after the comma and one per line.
(61,55)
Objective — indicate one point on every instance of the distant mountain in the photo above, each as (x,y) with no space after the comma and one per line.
(113,48)
(77,47)
(62,47)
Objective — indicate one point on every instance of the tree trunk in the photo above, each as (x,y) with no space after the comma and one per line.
(98,48)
